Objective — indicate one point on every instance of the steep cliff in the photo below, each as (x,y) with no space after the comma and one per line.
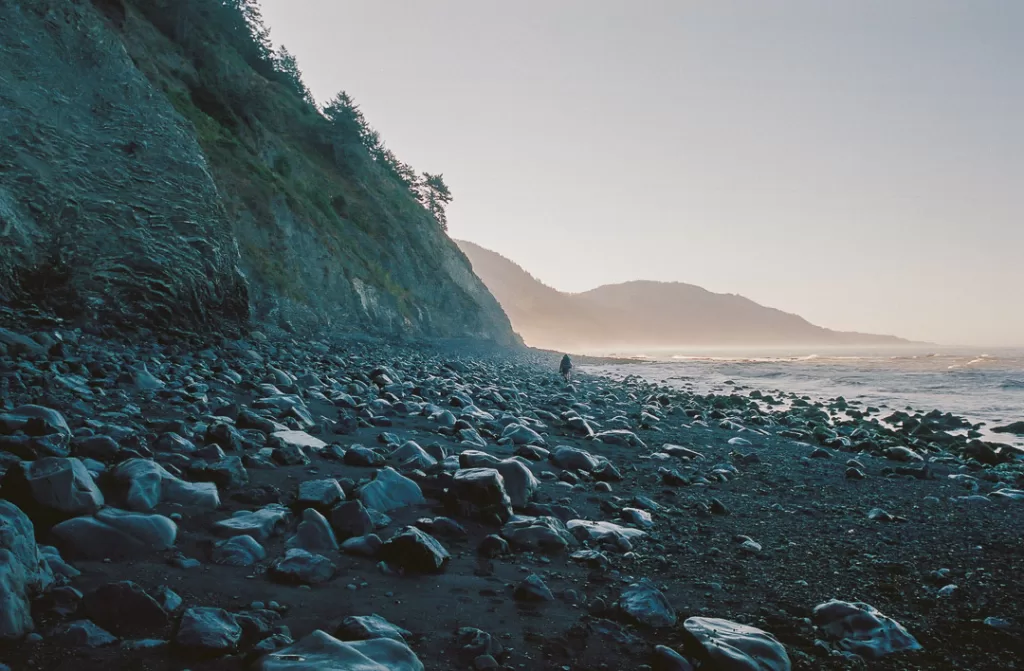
(150,174)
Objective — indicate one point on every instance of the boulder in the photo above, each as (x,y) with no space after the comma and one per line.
(367,627)
(39,422)
(390,491)
(314,533)
(537,534)
(574,458)
(143,484)
(115,534)
(260,524)
(520,483)
(533,589)
(208,631)
(125,609)
(299,439)
(321,652)
(23,574)
(411,456)
(351,518)
(414,551)
(644,603)
(83,634)
(519,434)
(320,494)
(302,567)
(479,493)
(238,551)
(862,630)
(601,531)
(53,488)
(737,647)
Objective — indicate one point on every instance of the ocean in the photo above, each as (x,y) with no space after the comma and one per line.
(982,386)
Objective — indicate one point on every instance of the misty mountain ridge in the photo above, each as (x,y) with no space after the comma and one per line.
(645,313)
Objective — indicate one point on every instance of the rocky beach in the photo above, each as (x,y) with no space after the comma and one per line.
(273,502)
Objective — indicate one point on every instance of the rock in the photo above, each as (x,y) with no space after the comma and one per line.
(102,448)
(226,473)
(854,474)
(1009,494)
(314,534)
(1014,427)
(125,609)
(737,647)
(260,524)
(368,627)
(39,422)
(358,455)
(53,488)
(861,629)
(475,642)
(598,532)
(22,572)
(574,458)
(298,439)
(144,484)
(363,546)
(82,634)
(901,453)
(208,631)
(622,437)
(519,434)
(644,603)
(533,589)
(320,494)
(539,534)
(520,483)
(606,472)
(238,551)
(351,518)
(667,659)
(879,515)
(116,534)
(479,493)
(414,551)
(492,546)
(411,456)
(593,559)
(322,652)
(300,566)
(390,491)
(637,517)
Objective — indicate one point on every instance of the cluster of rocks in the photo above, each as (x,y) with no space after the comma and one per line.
(287,462)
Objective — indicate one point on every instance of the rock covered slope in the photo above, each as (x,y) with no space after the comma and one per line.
(150,175)
(644,314)
(303,505)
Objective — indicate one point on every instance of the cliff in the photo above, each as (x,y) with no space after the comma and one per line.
(645,314)
(152,174)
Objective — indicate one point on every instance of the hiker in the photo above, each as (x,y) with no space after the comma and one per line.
(565,368)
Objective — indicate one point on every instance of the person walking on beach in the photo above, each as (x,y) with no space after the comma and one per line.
(565,368)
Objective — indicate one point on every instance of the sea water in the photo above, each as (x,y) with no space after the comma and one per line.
(981,386)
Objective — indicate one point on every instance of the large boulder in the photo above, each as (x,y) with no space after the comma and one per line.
(390,491)
(260,524)
(538,534)
(574,458)
(415,551)
(52,489)
(143,484)
(520,483)
(237,551)
(862,630)
(322,652)
(644,603)
(302,567)
(22,573)
(480,493)
(125,609)
(314,533)
(115,534)
(49,431)
(519,434)
(737,647)
(208,632)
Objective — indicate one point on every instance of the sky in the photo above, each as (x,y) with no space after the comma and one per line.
(857,162)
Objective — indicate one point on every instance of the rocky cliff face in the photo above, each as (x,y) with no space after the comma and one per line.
(149,175)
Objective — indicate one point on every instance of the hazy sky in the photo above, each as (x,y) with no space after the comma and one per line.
(858,162)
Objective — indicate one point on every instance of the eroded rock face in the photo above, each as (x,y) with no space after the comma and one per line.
(861,629)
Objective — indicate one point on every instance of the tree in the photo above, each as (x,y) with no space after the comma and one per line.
(346,118)
(435,196)
(288,67)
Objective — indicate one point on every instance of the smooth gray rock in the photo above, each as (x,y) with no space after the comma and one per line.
(208,631)
(83,634)
(601,531)
(62,487)
(538,534)
(238,551)
(738,647)
(367,627)
(144,484)
(260,524)
(299,439)
(520,483)
(644,603)
(363,546)
(38,421)
(519,434)
(533,589)
(862,630)
(114,533)
(314,534)
(321,652)
(300,566)
(320,494)
(390,491)
(22,573)
(573,458)
(351,518)
(411,456)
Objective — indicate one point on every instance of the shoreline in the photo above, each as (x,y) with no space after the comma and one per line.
(637,482)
